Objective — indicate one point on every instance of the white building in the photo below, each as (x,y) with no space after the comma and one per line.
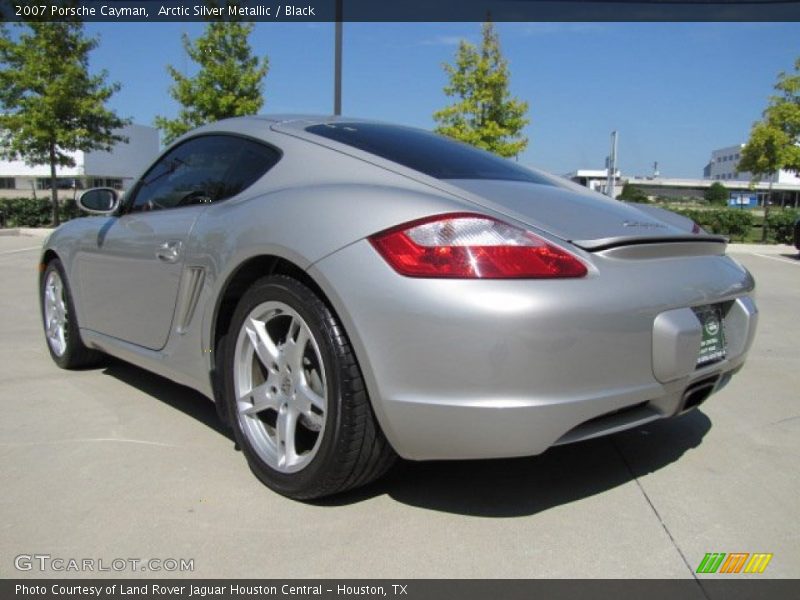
(596,180)
(724,167)
(783,193)
(116,168)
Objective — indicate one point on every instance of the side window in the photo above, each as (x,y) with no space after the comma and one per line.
(202,170)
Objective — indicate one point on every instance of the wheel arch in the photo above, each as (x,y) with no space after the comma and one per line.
(47,257)
(237,283)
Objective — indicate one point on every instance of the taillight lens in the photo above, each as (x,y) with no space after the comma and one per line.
(467,246)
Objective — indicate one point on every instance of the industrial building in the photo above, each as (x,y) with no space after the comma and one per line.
(116,168)
(721,168)
(724,167)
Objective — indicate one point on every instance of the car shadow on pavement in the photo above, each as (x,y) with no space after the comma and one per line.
(526,486)
(179,397)
(486,488)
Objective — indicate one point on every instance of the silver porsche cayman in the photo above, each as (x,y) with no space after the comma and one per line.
(349,291)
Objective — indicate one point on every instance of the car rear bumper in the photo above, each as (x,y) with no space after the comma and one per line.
(482,369)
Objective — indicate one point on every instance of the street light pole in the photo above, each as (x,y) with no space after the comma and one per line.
(337,62)
(612,166)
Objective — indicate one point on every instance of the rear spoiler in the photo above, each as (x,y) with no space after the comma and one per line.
(614,242)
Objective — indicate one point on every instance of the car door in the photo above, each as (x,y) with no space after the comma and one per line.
(130,274)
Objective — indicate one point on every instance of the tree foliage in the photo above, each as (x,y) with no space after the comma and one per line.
(51,105)
(717,194)
(768,150)
(229,82)
(773,143)
(484,114)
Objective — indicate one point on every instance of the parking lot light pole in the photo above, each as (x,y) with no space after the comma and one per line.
(612,166)
(337,62)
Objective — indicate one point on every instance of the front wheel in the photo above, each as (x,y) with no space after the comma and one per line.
(60,325)
(295,394)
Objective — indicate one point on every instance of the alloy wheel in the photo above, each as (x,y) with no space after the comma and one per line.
(55,313)
(280,386)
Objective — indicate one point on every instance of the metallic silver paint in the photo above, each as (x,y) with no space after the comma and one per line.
(454,368)
(55,313)
(294,388)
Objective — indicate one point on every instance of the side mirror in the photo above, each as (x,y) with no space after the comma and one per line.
(99,201)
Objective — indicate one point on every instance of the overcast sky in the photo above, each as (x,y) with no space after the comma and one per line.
(673,92)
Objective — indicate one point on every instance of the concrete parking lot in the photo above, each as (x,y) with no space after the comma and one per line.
(118,463)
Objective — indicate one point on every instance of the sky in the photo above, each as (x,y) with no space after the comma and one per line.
(673,91)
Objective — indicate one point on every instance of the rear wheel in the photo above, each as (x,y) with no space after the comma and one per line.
(60,325)
(295,394)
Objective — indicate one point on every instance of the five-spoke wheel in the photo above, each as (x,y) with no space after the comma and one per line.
(280,386)
(55,313)
(58,317)
(295,395)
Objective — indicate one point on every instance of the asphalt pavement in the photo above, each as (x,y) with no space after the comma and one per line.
(116,463)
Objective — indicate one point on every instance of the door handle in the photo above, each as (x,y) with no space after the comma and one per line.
(169,251)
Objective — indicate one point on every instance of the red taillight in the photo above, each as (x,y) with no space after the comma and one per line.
(466,246)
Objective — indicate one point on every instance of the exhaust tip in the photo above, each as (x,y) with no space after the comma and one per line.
(697,393)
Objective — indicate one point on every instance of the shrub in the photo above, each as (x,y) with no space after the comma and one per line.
(30,212)
(717,194)
(631,193)
(781,225)
(733,222)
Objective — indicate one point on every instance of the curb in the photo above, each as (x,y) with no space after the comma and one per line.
(40,232)
(776,249)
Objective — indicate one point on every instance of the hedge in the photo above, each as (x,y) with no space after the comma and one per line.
(781,225)
(30,212)
(733,222)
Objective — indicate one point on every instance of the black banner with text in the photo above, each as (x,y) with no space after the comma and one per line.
(400,10)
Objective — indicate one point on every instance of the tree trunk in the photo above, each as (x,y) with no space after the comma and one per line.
(54,184)
(767,202)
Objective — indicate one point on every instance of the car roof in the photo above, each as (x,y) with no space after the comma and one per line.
(301,121)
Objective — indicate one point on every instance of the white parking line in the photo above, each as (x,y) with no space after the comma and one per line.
(21,250)
(788,261)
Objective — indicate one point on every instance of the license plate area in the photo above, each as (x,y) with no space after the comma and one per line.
(712,347)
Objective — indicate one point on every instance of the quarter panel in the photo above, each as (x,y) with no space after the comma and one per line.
(301,225)
(582,345)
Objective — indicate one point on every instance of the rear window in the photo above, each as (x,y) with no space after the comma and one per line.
(427,152)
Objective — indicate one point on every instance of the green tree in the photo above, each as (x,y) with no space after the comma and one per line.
(484,114)
(51,105)
(229,82)
(631,193)
(717,193)
(773,143)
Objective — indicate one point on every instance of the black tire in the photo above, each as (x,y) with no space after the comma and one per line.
(352,450)
(75,354)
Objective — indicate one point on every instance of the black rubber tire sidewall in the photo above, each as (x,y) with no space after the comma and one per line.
(76,353)
(307,482)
